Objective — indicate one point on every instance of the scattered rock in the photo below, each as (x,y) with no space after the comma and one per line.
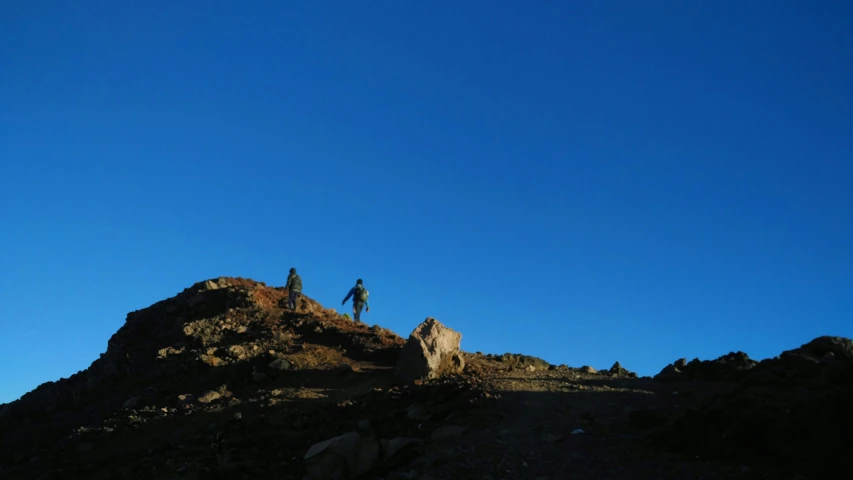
(130,403)
(516,360)
(186,399)
(431,351)
(237,352)
(589,370)
(530,368)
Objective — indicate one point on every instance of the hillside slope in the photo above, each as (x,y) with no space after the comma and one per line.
(221,382)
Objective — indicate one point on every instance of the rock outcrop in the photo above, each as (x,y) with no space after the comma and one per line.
(519,361)
(431,351)
(730,367)
(793,412)
(619,371)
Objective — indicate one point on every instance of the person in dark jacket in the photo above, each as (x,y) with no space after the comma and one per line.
(294,289)
(359,299)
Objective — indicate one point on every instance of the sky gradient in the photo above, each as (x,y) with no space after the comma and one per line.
(582,181)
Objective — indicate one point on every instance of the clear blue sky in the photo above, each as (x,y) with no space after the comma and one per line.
(582,181)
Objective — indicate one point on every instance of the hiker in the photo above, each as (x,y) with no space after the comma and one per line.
(359,299)
(294,288)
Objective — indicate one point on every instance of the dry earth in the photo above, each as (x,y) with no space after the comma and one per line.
(221,382)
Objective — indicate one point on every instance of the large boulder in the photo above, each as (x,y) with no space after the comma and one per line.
(431,351)
(827,348)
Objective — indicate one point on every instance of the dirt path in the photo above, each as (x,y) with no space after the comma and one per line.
(555,425)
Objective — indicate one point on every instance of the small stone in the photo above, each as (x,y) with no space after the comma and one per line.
(242,329)
(530,368)
(209,396)
(131,402)
(237,416)
(588,370)
(680,363)
(280,364)
(237,352)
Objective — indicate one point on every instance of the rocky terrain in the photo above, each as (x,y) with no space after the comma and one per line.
(221,382)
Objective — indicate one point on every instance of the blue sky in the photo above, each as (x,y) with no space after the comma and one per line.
(582,181)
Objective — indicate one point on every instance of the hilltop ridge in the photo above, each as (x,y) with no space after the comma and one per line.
(220,381)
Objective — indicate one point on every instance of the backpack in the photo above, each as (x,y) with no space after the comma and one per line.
(361,293)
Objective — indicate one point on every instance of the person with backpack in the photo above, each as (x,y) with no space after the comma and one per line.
(359,296)
(294,289)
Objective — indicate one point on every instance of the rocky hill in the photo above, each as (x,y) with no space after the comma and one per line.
(221,382)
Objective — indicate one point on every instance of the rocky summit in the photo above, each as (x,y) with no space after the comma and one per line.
(222,381)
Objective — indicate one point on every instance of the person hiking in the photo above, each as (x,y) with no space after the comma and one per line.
(294,289)
(359,296)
